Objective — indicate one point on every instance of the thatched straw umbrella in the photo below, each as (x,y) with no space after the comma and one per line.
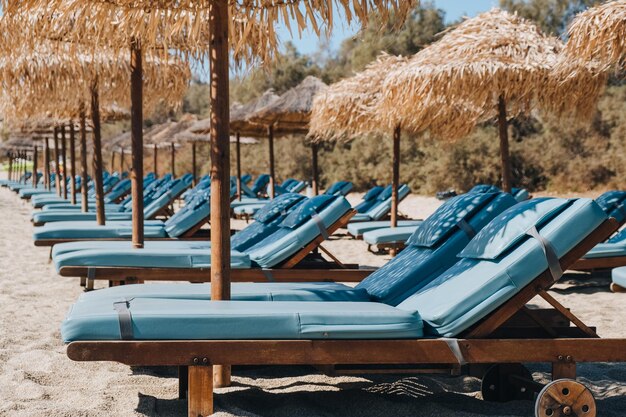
(495,65)
(247,27)
(599,34)
(346,110)
(167,137)
(290,114)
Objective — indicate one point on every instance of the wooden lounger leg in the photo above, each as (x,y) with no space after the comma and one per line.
(563,369)
(183,382)
(200,402)
(221,376)
(83,281)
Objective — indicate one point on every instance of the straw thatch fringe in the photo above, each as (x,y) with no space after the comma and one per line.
(599,33)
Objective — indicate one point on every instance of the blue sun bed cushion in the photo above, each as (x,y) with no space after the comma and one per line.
(242,291)
(360,228)
(501,260)
(164,319)
(608,249)
(369,199)
(267,221)
(424,259)
(249,209)
(294,233)
(90,230)
(484,188)
(618,276)
(339,188)
(398,234)
(383,204)
(612,202)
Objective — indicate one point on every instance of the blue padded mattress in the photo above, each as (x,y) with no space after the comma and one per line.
(163,319)
(389,235)
(358,229)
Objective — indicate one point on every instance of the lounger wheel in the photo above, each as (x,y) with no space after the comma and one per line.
(565,398)
(507,382)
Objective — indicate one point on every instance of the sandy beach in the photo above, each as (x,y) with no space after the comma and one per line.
(37,379)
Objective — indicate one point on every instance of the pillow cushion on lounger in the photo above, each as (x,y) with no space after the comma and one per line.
(612,202)
(339,188)
(501,260)
(359,229)
(398,234)
(498,262)
(268,253)
(392,283)
(267,222)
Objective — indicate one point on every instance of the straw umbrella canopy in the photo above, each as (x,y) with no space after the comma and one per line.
(230,24)
(290,114)
(346,110)
(495,65)
(599,34)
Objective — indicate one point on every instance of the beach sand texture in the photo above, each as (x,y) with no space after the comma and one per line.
(37,379)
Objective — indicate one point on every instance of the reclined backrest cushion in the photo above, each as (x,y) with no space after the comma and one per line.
(305,211)
(612,202)
(288,182)
(504,232)
(277,206)
(448,217)
(417,265)
(372,193)
(260,183)
(475,287)
(484,188)
(385,194)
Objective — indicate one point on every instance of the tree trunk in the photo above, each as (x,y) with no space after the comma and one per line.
(97,153)
(220,162)
(315,179)
(504,145)
(84,202)
(136,117)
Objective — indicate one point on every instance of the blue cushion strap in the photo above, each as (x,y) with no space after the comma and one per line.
(554,263)
(320,225)
(467,228)
(455,348)
(268,275)
(125,319)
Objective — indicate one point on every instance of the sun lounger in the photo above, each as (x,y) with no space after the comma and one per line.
(469,315)
(156,202)
(382,205)
(41,200)
(432,250)
(189,221)
(285,255)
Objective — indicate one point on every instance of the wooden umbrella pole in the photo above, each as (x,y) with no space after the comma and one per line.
(25,165)
(220,171)
(72,162)
(155,162)
(238,154)
(10,171)
(64,160)
(97,153)
(504,145)
(395,178)
(122,162)
(315,179)
(193,163)
(35,165)
(173,159)
(136,117)
(270,138)
(84,202)
(57,170)
(46,164)
(112,163)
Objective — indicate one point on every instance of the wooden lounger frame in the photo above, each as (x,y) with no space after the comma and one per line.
(295,269)
(481,344)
